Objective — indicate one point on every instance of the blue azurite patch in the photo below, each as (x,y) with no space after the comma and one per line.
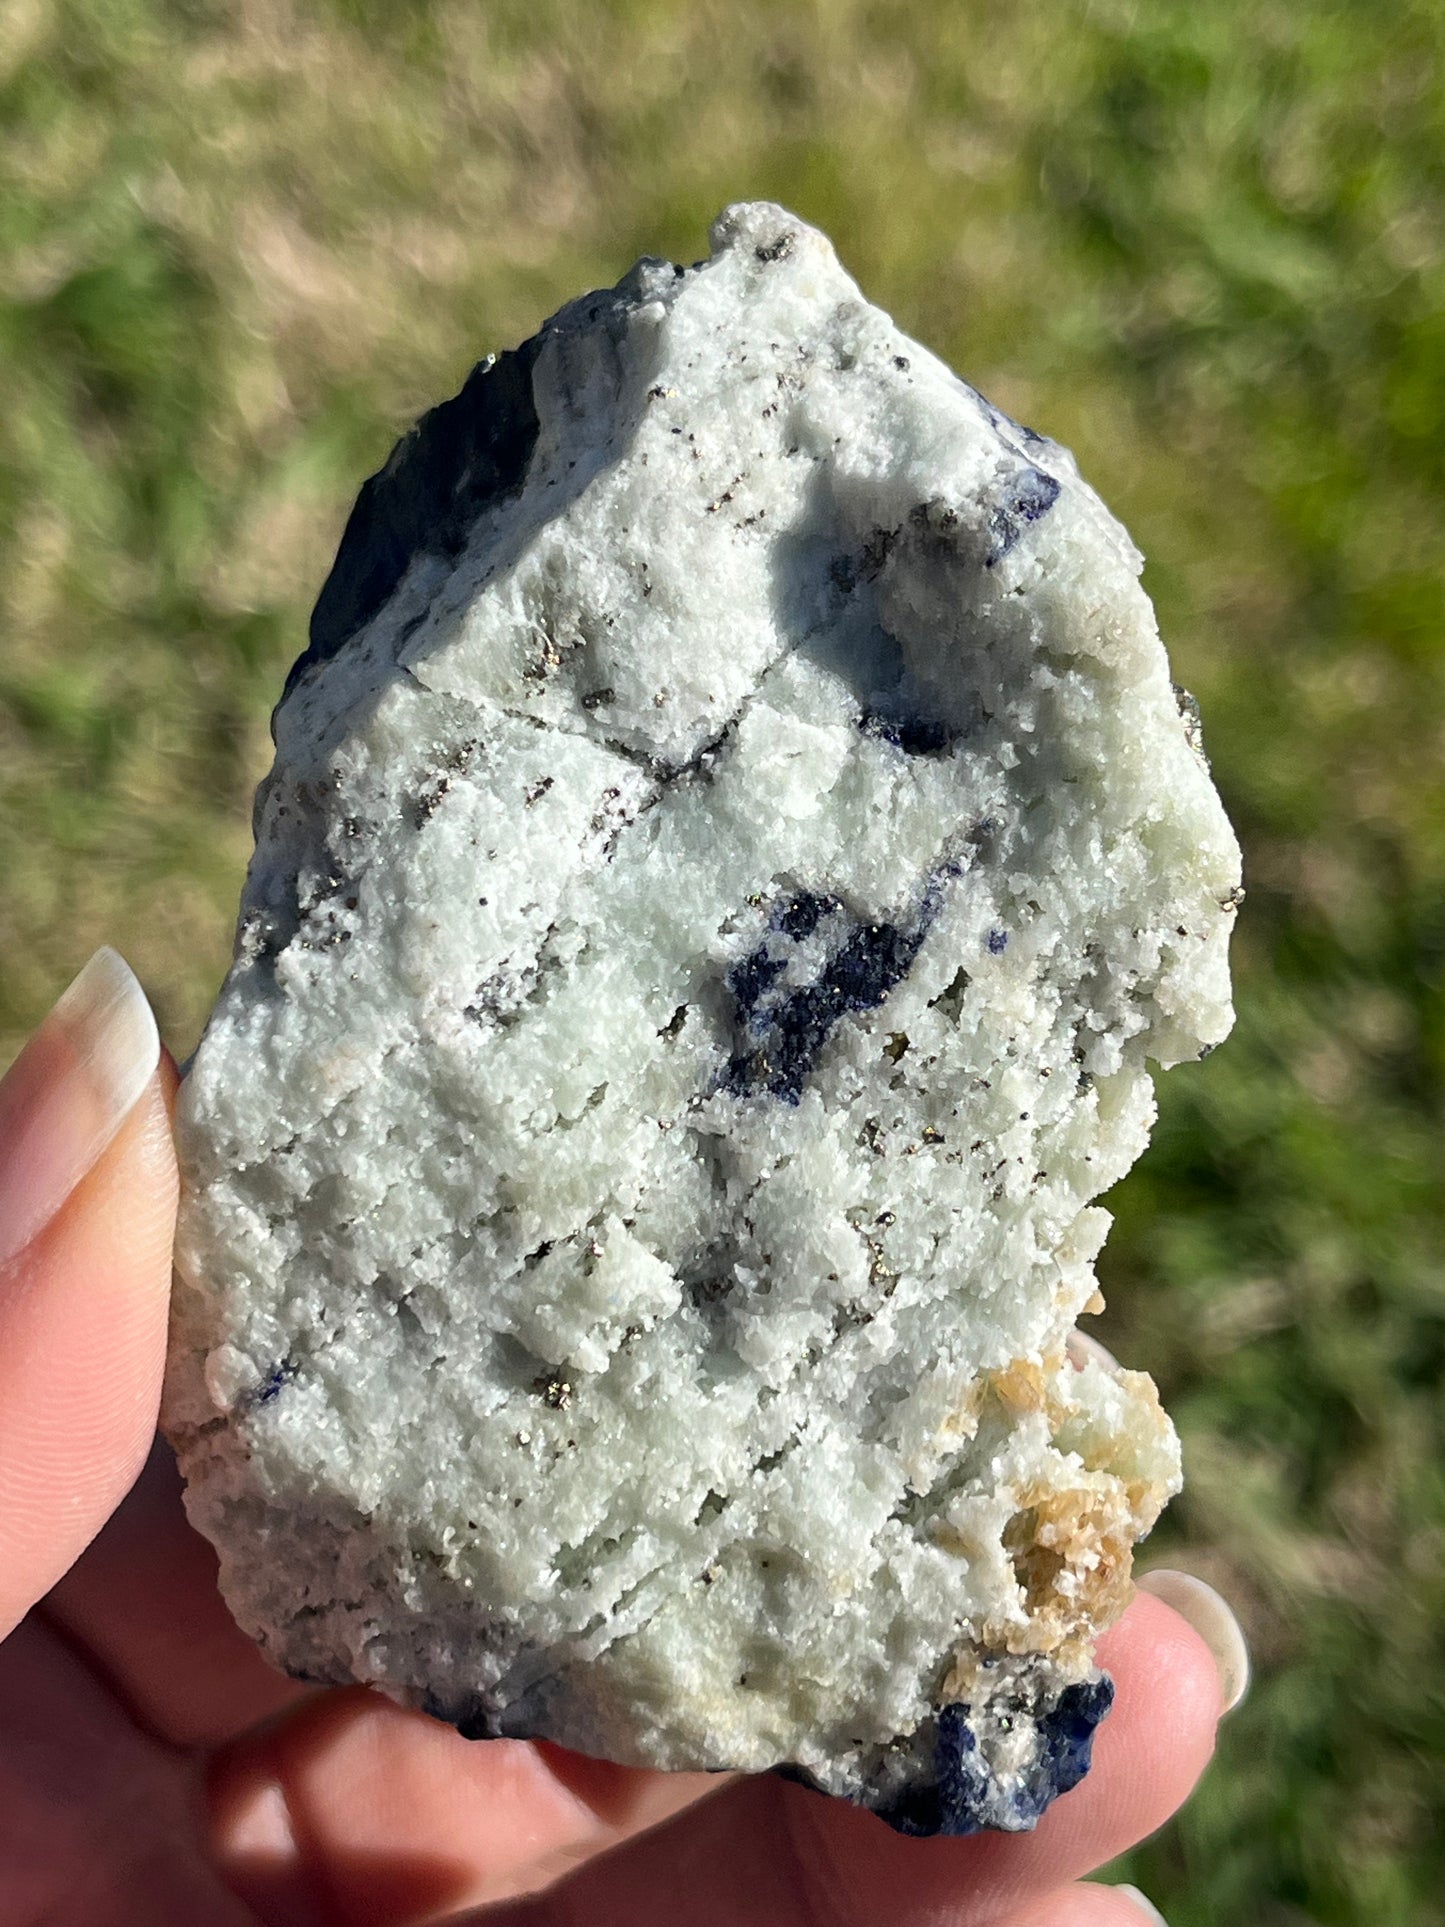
(800,916)
(960,1796)
(1068,1736)
(270,1387)
(966,1795)
(783,1022)
(961,1774)
(750,980)
(914,735)
(481,1724)
(460,457)
(1066,1745)
(474,1719)
(1030,495)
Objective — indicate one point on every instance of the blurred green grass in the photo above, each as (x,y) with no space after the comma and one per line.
(242,245)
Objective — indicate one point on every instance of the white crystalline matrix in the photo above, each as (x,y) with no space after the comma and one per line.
(732,847)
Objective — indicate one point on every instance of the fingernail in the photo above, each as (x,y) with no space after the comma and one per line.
(1214,1621)
(68,1093)
(1146,1906)
(1083,1350)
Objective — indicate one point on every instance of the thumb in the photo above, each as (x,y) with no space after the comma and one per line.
(87,1215)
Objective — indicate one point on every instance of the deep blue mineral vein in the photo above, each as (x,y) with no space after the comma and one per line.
(798,917)
(1067,1734)
(966,1794)
(460,457)
(1031,494)
(915,735)
(278,1376)
(784,1024)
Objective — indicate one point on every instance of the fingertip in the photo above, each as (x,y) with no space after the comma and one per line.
(82,1349)
(1151,1750)
(1213,1618)
(1088,1903)
(70,1090)
(1148,1754)
(1167,1684)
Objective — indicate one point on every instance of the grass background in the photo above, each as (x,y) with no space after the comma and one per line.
(242,244)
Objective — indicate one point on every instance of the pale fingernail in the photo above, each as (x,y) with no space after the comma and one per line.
(68,1093)
(1146,1906)
(1084,1350)
(1214,1621)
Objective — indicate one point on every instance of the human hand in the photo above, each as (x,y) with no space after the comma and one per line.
(154,1772)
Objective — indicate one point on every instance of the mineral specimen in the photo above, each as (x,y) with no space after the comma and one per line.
(731,848)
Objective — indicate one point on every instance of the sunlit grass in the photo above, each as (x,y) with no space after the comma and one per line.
(240,246)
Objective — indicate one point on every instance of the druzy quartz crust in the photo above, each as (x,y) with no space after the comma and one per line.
(732,849)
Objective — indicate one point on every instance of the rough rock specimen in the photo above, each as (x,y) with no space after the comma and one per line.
(732,846)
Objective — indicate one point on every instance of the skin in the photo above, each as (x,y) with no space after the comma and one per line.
(154,1772)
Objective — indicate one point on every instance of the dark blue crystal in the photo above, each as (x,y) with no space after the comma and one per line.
(783,1035)
(461,456)
(800,916)
(1030,495)
(965,1797)
(1068,1734)
(916,735)
(271,1385)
